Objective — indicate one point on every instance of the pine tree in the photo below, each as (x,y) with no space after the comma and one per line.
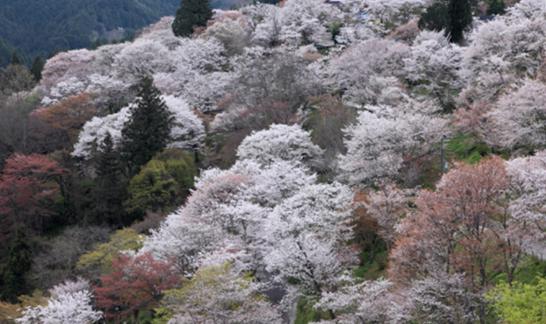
(37,67)
(192,13)
(15,59)
(18,263)
(460,17)
(148,130)
(110,185)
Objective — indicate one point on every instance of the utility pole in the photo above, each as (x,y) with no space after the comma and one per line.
(443,162)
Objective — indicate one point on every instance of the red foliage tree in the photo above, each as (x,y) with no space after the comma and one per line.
(134,283)
(29,187)
(61,123)
(457,227)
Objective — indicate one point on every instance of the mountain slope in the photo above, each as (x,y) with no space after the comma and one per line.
(38,27)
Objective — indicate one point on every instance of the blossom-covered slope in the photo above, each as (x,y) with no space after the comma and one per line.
(353,168)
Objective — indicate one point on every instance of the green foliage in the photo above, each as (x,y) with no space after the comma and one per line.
(162,315)
(162,183)
(467,148)
(148,130)
(335,29)
(99,261)
(529,269)
(520,303)
(209,277)
(9,311)
(496,7)
(191,14)
(373,265)
(306,313)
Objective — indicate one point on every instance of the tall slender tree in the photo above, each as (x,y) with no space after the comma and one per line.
(460,17)
(17,264)
(148,129)
(37,67)
(452,16)
(15,59)
(110,185)
(192,13)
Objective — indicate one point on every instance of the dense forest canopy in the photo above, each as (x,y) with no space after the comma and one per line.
(300,161)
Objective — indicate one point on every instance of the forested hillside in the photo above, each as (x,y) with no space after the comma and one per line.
(311,161)
(43,27)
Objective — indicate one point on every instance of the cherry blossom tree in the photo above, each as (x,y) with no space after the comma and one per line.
(443,298)
(366,71)
(218,294)
(279,142)
(70,302)
(433,66)
(271,86)
(516,121)
(307,234)
(394,12)
(366,302)
(504,49)
(525,227)
(226,207)
(232,29)
(388,206)
(384,137)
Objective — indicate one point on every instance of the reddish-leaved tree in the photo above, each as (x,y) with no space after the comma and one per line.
(457,227)
(134,284)
(65,119)
(30,185)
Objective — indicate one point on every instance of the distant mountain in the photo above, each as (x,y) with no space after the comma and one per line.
(41,27)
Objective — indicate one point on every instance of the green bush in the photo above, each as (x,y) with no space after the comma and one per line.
(162,183)
(467,148)
(519,303)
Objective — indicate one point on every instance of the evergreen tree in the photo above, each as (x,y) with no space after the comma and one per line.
(496,7)
(18,263)
(37,67)
(110,185)
(148,130)
(435,17)
(453,16)
(15,59)
(460,17)
(192,13)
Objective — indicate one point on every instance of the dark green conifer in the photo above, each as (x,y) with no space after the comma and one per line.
(18,263)
(452,16)
(15,59)
(148,130)
(192,13)
(37,67)
(110,184)
(460,17)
